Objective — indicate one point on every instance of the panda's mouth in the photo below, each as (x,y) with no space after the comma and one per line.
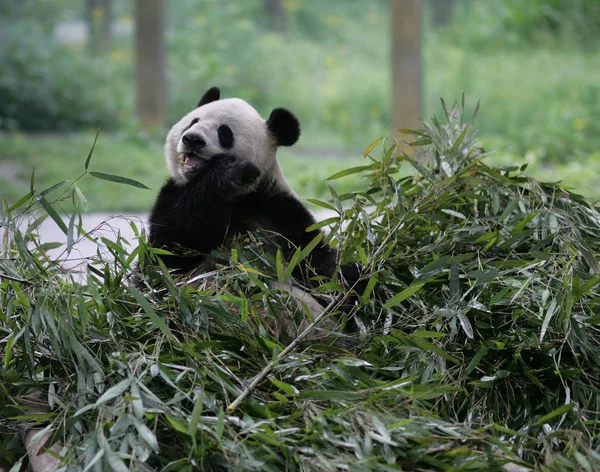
(191,162)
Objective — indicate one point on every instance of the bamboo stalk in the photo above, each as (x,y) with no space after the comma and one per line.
(269,367)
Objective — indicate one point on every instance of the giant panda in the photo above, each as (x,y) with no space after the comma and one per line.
(225,180)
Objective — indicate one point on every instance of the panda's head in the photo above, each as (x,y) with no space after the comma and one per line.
(228,126)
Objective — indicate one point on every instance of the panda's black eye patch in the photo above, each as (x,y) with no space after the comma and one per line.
(225,136)
(192,123)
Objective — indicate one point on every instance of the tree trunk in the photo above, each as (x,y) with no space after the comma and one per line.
(151,82)
(442,12)
(276,15)
(99,20)
(406,64)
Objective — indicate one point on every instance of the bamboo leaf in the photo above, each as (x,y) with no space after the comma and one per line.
(24,199)
(279,266)
(350,171)
(321,204)
(157,320)
(52,188)
(31,182)
(147,435)
(548,318)
(400,297)
(79,199)
(476,360)
(52,213)
(196,412)
(87,161)
(561,410)
(330,395)
(371,146)
(454,213)
(114,391)
(311,246)
(465,324)
(118,179)
(287,388)
(325,222)
(70,231)
(429,346)
(476,111)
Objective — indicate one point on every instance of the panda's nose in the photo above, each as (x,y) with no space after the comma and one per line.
(193,141)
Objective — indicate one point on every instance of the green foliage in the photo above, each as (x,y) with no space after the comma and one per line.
(544,101)
(46,86)
(477,329)
(558,18)
(516,23)
(533,63)
(328,47)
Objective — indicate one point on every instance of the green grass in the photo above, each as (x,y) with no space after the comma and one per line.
(62,157)
(580,175)
(476,338)
(538,99)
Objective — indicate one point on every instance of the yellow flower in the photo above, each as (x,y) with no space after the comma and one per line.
(373,18)
(334,20)
(579,124)
(200,20)
(330,61)
(97,14)
(375,113)
(344,118)
(230,70)
(292,5)
(117,55)
(329,90)
(127,19)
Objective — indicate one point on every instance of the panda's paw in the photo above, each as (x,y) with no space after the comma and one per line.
(247,174)
(238,176)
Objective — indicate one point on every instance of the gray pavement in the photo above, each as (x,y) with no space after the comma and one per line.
(101,225)
(98,225)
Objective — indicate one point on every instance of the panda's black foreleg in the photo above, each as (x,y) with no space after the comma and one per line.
(196,218)
(230,177)
(286,215)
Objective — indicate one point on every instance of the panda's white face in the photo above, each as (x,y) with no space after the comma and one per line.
(230,126)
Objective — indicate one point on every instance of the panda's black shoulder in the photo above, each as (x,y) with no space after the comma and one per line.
(277,210)
(168,193)
(269,197)
(173,201)
(170,187)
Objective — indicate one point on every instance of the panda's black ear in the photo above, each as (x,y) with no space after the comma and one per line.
(212,95)
(285,126)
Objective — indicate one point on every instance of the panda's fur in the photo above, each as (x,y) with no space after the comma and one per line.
(232,126)
(225,180)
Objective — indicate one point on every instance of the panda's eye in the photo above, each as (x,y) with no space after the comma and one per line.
(225,136)
(192,123)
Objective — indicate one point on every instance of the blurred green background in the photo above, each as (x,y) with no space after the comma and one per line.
(534,64)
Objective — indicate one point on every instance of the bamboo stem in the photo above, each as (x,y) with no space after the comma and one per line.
(269,367)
